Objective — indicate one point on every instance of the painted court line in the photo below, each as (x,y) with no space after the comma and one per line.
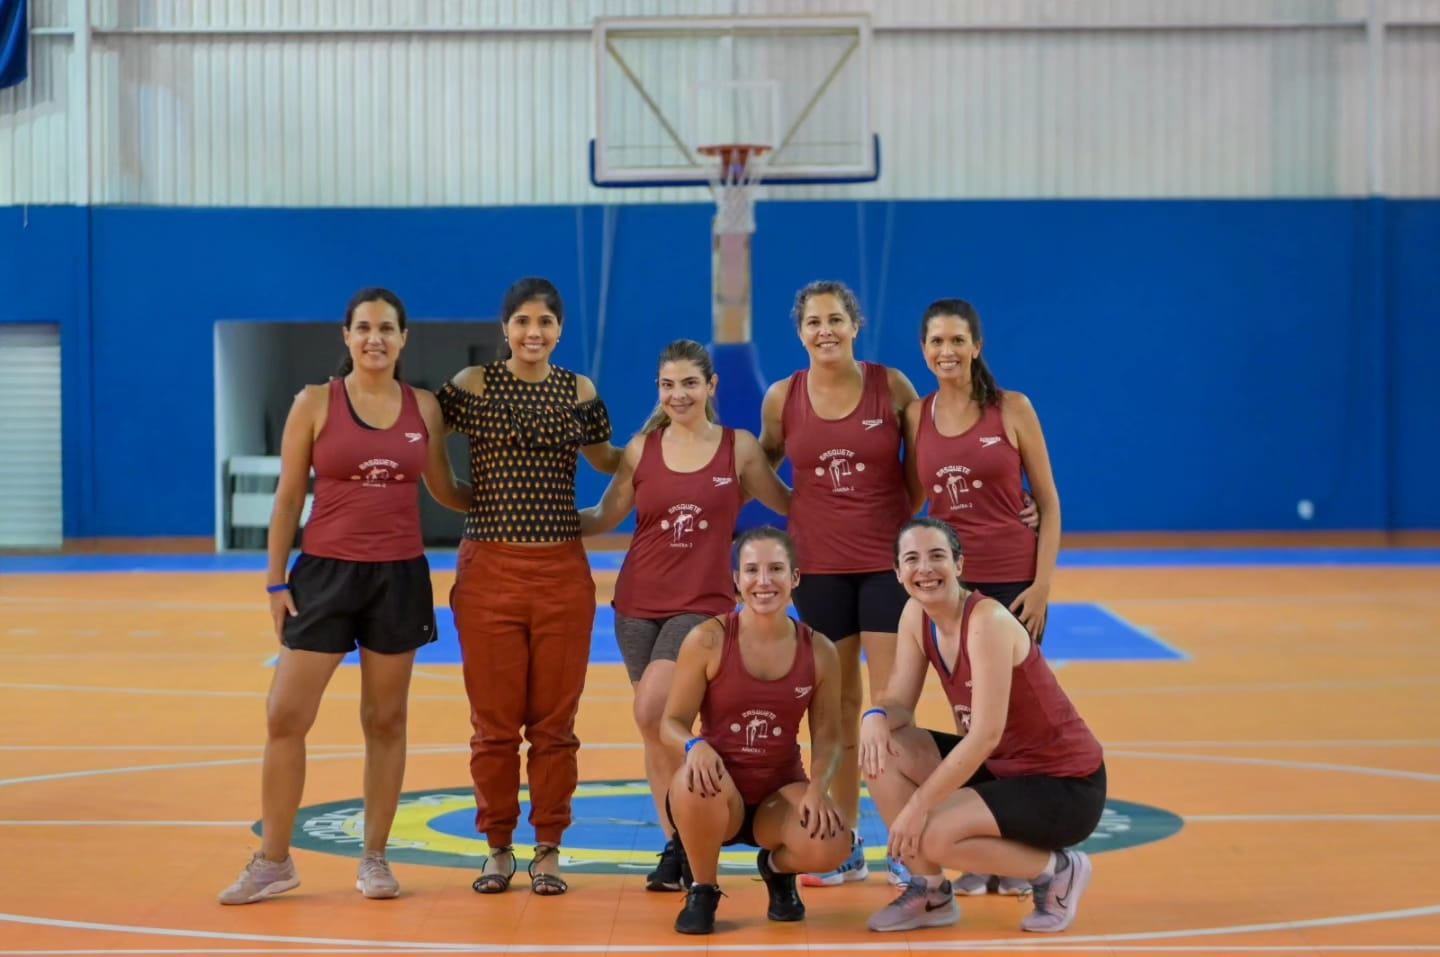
(126,823)
(443,748)
(708,947)
(1277,763)
(1060,946)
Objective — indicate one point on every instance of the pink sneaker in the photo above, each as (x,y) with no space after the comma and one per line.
(1058,899)
(261,880)
(926,902)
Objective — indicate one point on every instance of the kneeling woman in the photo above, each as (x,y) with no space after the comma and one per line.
(751,676)
(1024,783)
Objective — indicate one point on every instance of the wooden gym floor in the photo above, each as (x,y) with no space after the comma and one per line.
(1270,717)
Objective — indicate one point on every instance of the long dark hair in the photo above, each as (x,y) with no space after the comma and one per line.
(683,350)
(371,294)
(827,287)
(521,292)
(983,388)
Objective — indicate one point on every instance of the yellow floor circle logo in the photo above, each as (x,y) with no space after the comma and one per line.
(614,830)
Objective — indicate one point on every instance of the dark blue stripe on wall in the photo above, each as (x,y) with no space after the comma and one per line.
(1197,365)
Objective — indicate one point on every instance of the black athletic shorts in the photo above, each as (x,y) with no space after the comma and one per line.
(746,834)
(1005,593)
(1038,810)
(839,606)
(387,607)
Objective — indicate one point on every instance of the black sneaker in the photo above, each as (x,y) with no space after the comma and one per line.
(698,914)
(669,874)
(785,902)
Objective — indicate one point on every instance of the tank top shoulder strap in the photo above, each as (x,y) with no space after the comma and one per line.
(649,452)
(877,390)
(725,460)
(797,396)
(729,653)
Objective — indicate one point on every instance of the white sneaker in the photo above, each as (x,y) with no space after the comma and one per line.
(374,879)
(261,880)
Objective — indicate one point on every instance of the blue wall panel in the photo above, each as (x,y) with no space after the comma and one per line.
(1196,365)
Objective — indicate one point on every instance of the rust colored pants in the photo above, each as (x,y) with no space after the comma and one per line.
(524,614)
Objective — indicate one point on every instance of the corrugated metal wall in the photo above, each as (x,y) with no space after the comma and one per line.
(451,102)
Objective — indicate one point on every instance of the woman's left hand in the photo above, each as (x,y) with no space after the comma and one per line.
(1030,607)
(907,829)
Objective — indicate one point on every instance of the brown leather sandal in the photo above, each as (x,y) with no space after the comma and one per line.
(496,883)
(546,885)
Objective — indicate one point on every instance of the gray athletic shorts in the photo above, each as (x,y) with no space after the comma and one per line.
(643,640)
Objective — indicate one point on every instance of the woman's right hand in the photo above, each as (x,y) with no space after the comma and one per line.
(704,770)
(282,605)
(877,744)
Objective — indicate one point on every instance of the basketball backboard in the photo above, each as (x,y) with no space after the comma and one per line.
(668,86)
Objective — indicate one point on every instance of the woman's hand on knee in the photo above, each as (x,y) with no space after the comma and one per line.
(818,813)
(877,744)
(704,771)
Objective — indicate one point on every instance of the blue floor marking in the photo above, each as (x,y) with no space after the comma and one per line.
(444,560)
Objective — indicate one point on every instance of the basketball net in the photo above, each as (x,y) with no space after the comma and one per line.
(734,178)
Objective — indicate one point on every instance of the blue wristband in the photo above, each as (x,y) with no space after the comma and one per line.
(272,589)
(691,743)
(880,711)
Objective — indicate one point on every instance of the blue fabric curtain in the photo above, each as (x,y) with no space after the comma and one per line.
(14,42)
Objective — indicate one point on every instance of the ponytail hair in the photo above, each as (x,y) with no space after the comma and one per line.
(531,288)
(371,294)
(983,388)
(683,350)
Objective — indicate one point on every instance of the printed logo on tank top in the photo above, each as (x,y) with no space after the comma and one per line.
(685,520)
(962,713)
(954,482)
(988,440)
(378,473)
(842,468)
(759,727)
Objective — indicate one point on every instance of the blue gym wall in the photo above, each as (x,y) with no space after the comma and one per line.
(1197,365)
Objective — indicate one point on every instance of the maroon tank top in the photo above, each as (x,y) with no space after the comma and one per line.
(678,562)
(1044,734)
(367,484)
(850,498)
(754,724)
(973,482)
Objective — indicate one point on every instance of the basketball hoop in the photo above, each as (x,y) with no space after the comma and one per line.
(733,180)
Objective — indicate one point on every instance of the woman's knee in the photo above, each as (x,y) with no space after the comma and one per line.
(288,719)
(650,697)
(384,722)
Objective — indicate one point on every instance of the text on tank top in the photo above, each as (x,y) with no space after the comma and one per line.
(367,483)
(850,497)
(678,561)
(974,482)
(1044,734)
(754,723)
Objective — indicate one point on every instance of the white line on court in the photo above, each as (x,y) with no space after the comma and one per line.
(1255,688)
(126,823)
(443,748)
(1277,763)
(1072,943)
(1337,818)
(1074,693)
(997,947)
